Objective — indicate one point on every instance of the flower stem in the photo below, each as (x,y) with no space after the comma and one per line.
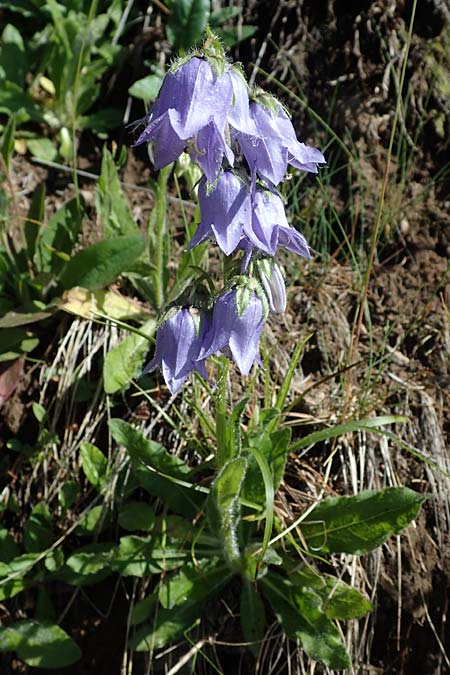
(161,235)
(224,452)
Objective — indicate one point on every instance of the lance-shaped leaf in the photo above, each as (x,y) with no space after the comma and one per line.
(361,523)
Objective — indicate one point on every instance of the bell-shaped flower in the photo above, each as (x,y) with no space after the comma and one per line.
(237,322)
(234,210)
(191,113)
(225,211)
(275,145)
(273,283)
(178,343)
(270,228)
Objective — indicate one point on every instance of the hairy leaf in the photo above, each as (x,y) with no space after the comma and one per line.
(361,523)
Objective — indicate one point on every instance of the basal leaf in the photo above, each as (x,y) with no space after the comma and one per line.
(193,583)
(340,601)
(90,559)
(35,219)
(13,58)
(299,611)
(7,145)
(186,23)
(137,516)
(41,645)
(142,556)
(147,88)
(169,624)
(361,523)
(98,265)
(8,547)
(253,616)
(123,361)
(157,471)
(110,201)
(57,239)
(94,464)
(38,533)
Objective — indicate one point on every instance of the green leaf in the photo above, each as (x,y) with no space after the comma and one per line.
(13,59)
(14,100)
(123,361)
(253,616)
(142,556)
(94,521)
(38,533)
(68,494)
(58,237)
(157,471)
(186,23)
(14,340)
(343,602)
(13,318)
(223,14)
(361,523)
(147,88)
(11,588)
(42,148)
(8,547)
(137,516)
(39,412)
(41,645)
(142,609)
(94,464)
(299,611)
(340,601)
(98,265)
(102,121)
(20,565)
(347,428)
(91,559)
(7,146)
(274,447)
(194,583)
(236,34)
(168,625)
(110,201)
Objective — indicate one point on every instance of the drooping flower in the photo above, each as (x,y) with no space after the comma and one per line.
(237,323)
(273,282)
(191,113)
(178,343)
(233,210)
(274,145)
(225,212)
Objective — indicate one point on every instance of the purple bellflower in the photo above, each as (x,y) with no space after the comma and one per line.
(178,343)
(238,215)
(237,323)
(191,113)
(274,145)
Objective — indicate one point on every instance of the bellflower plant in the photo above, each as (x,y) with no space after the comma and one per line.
(243,142)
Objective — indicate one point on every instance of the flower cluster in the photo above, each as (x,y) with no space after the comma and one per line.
(243,141)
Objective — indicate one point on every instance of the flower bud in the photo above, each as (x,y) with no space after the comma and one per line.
(272,280)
